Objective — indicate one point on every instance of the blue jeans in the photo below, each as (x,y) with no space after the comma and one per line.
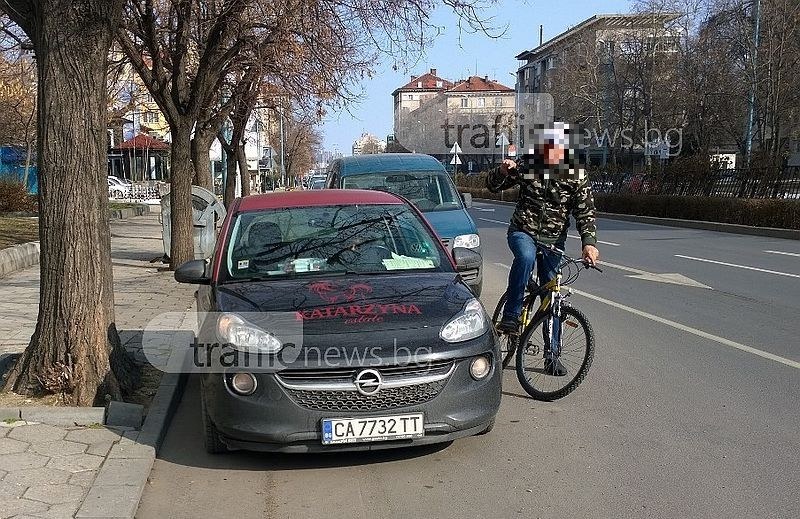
(524,249)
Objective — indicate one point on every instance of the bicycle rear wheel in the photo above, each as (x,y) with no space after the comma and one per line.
(577,353)
(508,341)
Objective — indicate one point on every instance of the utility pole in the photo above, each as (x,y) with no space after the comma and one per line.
(283,148)
(751,116)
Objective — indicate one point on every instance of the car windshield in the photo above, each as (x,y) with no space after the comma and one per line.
(346,239)
(428,190)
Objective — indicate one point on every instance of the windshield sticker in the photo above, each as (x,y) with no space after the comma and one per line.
(243,264)
(398,262)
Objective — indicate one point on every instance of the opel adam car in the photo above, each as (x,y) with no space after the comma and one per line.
(350,323)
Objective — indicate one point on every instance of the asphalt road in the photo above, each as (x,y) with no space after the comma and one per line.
(691,408)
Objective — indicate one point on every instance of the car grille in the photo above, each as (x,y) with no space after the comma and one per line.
(469,275)
(446,243)
(335,390)
(385,399)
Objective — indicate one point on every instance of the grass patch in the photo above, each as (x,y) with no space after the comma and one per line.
(121,205)
(14,231)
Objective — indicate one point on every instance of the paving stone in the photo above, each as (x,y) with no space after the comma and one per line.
(58,448)
(10,446)
(60,511)
(13,507)
(32,477)
(76,462)
(4,431)
(54,494)
(90,436)
(119,501)
(124,472)
(11,490)
(99,449)
(37,433)
(21,461)
(84,479)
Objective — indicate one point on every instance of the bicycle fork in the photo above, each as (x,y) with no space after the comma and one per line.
(552,328)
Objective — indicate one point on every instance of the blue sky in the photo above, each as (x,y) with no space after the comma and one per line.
(454,60)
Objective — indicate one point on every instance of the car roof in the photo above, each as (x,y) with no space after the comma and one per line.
(388,162)
(319,197)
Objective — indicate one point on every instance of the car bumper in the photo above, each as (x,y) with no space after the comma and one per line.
(273,420)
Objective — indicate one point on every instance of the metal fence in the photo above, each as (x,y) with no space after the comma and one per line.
(138,191)
(731,183)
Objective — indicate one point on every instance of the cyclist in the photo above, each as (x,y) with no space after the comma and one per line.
(549,191)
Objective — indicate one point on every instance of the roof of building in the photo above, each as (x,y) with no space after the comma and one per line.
(143,141)
(429,82)
(479,84)
(316,198)
(612,21)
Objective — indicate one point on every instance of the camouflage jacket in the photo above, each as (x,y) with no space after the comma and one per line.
(544,206)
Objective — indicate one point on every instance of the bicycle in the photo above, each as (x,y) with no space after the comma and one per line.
(575,351)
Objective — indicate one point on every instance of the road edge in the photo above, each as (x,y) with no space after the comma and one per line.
(732,228)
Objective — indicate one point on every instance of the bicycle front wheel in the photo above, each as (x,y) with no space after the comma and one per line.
(508,341)
(576,354)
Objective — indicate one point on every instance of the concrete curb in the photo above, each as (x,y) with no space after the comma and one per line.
(58,416)
(18,257)
(771,232)
(24,255)
(120,483)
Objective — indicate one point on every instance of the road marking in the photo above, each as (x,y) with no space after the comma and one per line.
(688,329)
(671,278)
(746,267)
(490,210)
(783,253)
(570,235)
(493,221)
(598,241)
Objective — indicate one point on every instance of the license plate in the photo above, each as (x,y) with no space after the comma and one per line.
(372,429)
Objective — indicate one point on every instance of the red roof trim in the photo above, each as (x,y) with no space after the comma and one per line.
(316,198)
(479,84)
(143,141)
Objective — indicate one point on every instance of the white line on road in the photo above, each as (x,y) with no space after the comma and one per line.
(570,235)
(694,331)
(746,267)
(783,253)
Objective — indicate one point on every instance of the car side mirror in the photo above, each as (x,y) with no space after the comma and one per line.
(193,272)
(466,259)
(467,198)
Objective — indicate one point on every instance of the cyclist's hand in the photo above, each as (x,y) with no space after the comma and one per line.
(591,255)
(508,167)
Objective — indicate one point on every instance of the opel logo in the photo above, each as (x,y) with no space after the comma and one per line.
(368,382)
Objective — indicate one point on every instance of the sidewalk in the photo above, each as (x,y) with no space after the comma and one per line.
(52,471)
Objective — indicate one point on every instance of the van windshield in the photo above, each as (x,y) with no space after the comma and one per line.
(428,190)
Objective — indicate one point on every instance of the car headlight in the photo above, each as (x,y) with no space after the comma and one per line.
(246,337)
(467,324)
(468,241)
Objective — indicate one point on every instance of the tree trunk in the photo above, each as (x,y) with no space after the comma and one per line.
(203,177)
(230,176)
(75,344)
(244,170)
(180,196)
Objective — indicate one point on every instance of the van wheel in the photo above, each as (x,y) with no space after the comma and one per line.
(211,438)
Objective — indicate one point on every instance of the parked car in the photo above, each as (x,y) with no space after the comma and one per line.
(422,180)
(118,188)
(364,277)
(316,182)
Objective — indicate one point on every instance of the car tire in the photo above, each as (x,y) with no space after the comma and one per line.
(211,438)
(488,429)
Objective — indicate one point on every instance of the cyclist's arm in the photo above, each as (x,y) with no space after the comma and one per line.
(584,212)
(497,181)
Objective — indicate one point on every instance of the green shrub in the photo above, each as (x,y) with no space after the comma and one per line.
(14,198)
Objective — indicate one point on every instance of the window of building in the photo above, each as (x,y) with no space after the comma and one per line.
(481,102)
(419,84)
(498,101)
(464,102)
(438,84)
(150,117)
(551,63)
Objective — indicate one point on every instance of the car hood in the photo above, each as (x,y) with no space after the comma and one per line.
(352,303)
(451,223)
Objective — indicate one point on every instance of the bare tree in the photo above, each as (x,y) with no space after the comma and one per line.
(75,348)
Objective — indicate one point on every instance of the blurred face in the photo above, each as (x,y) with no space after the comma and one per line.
(553,154)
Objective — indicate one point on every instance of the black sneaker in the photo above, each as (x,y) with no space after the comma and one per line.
(508,325)
(553,367)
